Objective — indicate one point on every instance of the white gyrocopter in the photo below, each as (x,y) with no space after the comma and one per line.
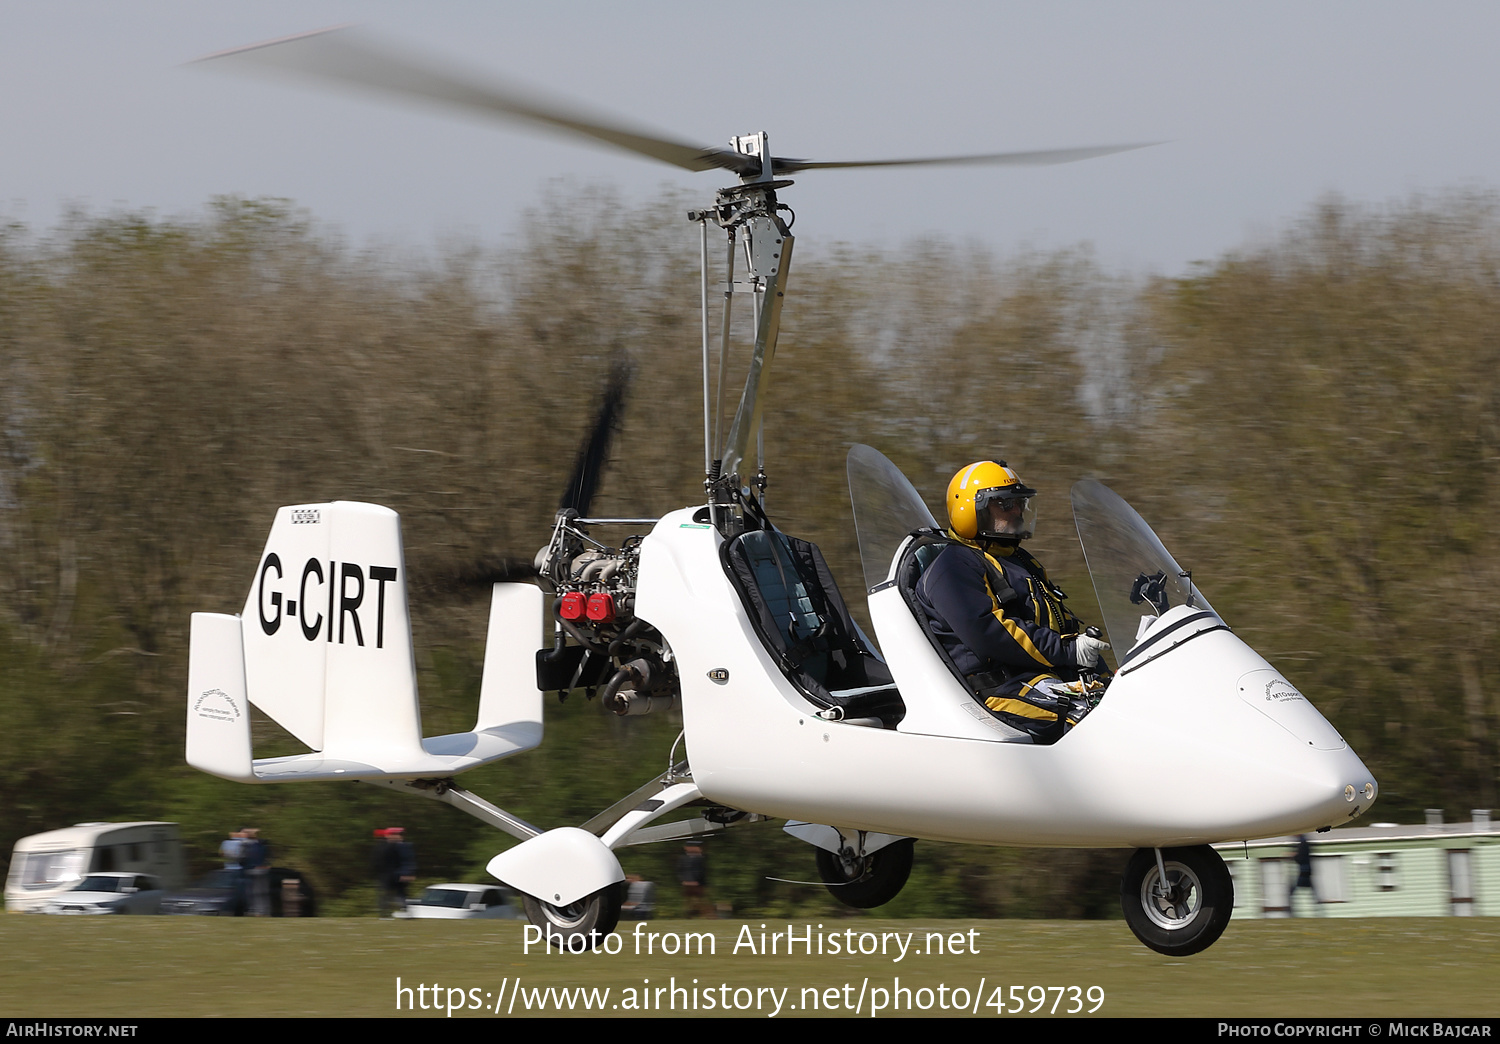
(789,710)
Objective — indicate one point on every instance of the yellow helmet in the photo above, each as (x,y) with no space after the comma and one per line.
(983,483)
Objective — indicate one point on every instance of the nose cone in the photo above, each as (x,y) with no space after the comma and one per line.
(1359,793)
(1344,789)
(1321,764)
(1207,742)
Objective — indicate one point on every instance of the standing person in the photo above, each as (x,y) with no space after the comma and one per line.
(1304,876)
(996,614)
(232,851)
(256,860)
(395,864)
(692,872)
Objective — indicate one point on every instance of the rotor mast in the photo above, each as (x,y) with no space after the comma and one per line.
(747,212)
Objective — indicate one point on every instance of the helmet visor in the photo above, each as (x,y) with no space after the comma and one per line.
(1008,511)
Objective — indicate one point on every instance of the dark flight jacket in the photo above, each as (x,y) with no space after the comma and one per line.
(999,618)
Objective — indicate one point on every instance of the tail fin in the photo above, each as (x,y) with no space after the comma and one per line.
(325,641)
(218,718)
(327,633)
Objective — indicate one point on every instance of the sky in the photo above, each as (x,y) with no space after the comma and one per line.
(1263,108)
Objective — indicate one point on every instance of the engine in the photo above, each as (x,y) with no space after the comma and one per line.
(600,645)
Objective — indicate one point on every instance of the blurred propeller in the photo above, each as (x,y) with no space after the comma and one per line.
(347,55)
(469,579)
(584,480)
(472,578)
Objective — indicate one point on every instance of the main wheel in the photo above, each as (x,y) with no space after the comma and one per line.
(582,925)
(873,880)
(1185,913)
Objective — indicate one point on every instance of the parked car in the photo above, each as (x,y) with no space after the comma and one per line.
(108,894)
(463,901)
(225,893)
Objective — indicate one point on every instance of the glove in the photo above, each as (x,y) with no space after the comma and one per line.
(1086,650)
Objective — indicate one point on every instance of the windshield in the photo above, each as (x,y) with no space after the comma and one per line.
(49,869)
(103,883)
(1135,578)
(887,509)
(452,898)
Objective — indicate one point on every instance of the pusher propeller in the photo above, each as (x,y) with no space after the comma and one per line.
(471,579)
(588,465)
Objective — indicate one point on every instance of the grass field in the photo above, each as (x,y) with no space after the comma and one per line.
(188,966)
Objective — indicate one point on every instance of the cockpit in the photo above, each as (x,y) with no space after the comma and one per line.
(909,683)
(1149,604)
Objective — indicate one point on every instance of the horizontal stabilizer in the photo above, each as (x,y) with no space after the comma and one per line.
(442,756)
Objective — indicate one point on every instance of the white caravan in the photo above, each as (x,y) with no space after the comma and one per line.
(44,866)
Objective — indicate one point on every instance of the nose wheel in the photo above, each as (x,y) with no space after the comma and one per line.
(868,880)
(582,925)
(1177,900)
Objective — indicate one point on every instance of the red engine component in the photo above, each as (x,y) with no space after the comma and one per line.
(601,607)
(575,605)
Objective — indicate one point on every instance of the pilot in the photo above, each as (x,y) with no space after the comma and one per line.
(997,615)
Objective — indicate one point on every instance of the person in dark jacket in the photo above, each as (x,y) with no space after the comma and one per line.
(692,872)
(394,861)
(256,860)
(995,612)
(1304,876)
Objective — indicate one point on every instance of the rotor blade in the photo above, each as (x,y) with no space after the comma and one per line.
(1045,157)
(591,456)
(346,55)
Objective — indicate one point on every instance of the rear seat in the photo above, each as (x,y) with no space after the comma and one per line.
(802,620)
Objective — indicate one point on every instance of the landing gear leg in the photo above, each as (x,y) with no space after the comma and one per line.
(1177,900)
